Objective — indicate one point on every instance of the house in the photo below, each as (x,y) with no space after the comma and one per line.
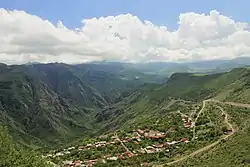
(49,155)
(137,134)
(125,141)
(144,164)
(150,149)
(156,137)
(165,144)
(173,142)
(77,163)
(97,145)
(67,152)
(129,154)
(101,142)
(155,134)
(141,151)
(141,132)
(188,124)
(89,145)
(184,140)
(120,156)
(89,163)
(107,156)
(112,158)
(159,146)
(71,148)
(59,154)
(81,147)
(138,139)
(229,131)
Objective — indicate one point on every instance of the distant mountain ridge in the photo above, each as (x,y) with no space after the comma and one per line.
(203,66)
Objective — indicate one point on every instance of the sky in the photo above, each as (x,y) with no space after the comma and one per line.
(77,31)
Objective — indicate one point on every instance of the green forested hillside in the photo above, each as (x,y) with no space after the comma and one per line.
(13,155)
(56,103)
(33,110)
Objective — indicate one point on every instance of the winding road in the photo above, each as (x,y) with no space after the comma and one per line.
(218,141)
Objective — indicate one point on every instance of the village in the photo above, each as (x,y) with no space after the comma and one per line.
(134,138)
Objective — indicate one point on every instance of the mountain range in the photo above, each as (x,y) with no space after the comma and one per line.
(54,103)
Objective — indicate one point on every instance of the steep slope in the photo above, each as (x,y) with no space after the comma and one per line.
(11,155)
(54,103)
(33,110)
(61,79)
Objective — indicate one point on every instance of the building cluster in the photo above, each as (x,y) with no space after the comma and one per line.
(151,134)
(136,138)
(186,122)
(104,159)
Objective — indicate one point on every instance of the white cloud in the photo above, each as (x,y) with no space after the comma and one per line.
(25,37)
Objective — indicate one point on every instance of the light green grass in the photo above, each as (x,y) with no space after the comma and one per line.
(199,74)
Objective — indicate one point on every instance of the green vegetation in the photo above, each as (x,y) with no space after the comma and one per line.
(149,106)
(52,105)
(211,124)
(230,86)
(199,74)
(232,152)
(13,155)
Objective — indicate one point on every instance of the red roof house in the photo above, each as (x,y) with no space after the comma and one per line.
(184,140)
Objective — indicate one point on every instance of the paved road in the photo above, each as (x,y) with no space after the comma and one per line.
(210,145)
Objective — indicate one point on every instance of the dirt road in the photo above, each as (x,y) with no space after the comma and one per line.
(125,147)
(210,145)
(202,109)
(231,103)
